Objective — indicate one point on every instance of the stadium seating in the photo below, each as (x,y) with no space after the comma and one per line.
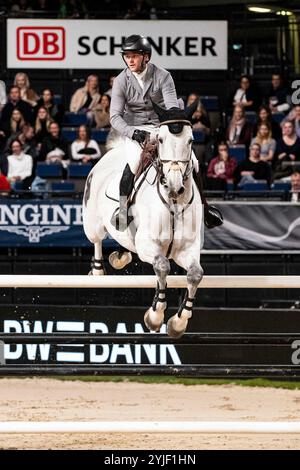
(260,186)
(75,119)
(49,170)
(210,103)
(278,186)
(238,152)
(78,170)
(199,137)
(63,186)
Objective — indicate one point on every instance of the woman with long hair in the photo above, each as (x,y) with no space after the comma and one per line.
(85,149)
(55,110)
(102,117)
(264,116)
(27,94)
(239,129)
(266,142)
(42,124)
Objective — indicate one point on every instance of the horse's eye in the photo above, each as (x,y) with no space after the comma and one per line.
(160,140)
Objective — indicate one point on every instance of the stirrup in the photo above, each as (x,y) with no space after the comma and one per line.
(212,217)
(121,220)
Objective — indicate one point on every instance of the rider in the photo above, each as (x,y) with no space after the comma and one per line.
(132,115)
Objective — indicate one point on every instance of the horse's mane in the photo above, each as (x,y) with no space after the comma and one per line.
(149,153)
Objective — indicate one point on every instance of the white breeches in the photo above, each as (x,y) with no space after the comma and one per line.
(133,149)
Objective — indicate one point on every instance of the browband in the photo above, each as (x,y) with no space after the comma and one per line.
(174,121)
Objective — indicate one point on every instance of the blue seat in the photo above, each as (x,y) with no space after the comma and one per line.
(278,117)
(18,186)
(282,186)
(238,152)
(199,137)
(79,170)
(69,133)
(100,135)
(251,116)
(75,119)
(49,170)
(261,186)
(63,186)
(210,103)
(57,99)
(230,186)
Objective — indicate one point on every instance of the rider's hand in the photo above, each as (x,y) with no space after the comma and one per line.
(140,136)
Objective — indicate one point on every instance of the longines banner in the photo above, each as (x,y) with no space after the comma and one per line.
(92,44)
(247,226)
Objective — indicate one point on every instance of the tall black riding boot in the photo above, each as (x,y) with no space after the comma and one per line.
(212,215)
(120,219)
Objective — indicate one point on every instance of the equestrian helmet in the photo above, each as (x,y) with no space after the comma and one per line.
(136,43)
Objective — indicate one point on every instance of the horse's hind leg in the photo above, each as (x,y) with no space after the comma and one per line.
(177,324)
(154,317)
(97,266)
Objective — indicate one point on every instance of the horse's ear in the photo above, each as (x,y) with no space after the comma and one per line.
(161,113)
(189,111)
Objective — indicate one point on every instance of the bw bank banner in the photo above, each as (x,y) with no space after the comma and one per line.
(247,226)
(92,44)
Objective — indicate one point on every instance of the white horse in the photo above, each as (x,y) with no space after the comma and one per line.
(167,213)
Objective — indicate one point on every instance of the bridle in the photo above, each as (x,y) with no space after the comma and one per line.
(160,162)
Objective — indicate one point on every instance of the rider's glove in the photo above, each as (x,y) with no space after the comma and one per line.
(140,136)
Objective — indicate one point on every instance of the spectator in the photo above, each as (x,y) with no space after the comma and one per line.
(277,97)
(265,116)
(42,124)
(138,10)
(192,98)
(246,95)
(27,93)
(17,123)
(87,98)
(221,169)
(54,147)
(55,110)
(27,139)
(84,143)
(294,116)
(287,152)
(102,117)
(253,169)
(111,81)
(19,166)
(2,94)
(267,144)
(295,183)
(239,130)
(200,120)
(15,102)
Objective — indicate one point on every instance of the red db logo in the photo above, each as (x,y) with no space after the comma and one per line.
(41,43)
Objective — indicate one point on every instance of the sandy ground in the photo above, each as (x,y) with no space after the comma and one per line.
(50,400)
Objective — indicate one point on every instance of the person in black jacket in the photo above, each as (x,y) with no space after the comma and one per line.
(54,147)
(15,102)
(277,97)
(55,110)
(252,169)
(247,95)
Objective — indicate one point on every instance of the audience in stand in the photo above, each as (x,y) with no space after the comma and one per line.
(84,149)
(42,124)
(253,169)
(111,81)
(239,130)
(15,102)
(295,186)
(267,144)
(54,147)
(3,98)
(19,166)
(278,95)
(102,117)
(264,116)
(55,110)
(287,152)
(294,116)
(87,98)
(27,94)
(221,169)
(246,95)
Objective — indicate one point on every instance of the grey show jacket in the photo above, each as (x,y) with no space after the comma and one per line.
(131,106)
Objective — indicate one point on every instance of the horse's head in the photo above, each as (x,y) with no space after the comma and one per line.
(175,138)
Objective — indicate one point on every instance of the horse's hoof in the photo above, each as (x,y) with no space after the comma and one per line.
(154,319)
(176,326)
(96,272)
(119,262)
(90,273)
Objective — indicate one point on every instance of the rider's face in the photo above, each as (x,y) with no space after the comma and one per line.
(134,61)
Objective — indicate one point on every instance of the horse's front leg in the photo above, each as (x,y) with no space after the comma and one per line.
(177,324)
(154,317)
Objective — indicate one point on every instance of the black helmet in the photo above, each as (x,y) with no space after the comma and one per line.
(136,43)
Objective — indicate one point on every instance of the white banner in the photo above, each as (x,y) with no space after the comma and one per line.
(95,44)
